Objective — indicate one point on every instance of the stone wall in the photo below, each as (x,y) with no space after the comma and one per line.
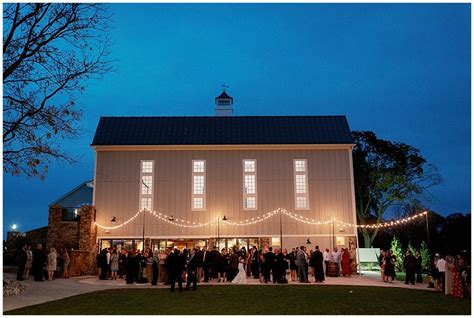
(79,237)
(82,263)
(61,233)
(87,229)
(37,236)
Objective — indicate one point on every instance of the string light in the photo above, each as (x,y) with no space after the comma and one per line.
(120,225)
(179,222)
(300,218)
(394,222)
(254,220)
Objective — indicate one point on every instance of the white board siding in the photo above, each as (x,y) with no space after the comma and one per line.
(118,184)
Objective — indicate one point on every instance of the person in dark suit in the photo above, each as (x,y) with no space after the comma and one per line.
(175,267)
(39,260)
(22,258)
(136,266)
(269,260)
(206,257)
(192,270)
(318,259)
(103,264)
(156,260)
(409,263)
(233,265)
(198,254)
(277,269)
(215,261)
(254,263)
(418,267)
(129,267)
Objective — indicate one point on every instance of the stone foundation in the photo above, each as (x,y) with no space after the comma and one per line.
(82,263)
(79,237)
(61,234)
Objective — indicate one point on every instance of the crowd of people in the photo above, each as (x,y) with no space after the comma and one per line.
(227,265)
(41,264)
(449,275)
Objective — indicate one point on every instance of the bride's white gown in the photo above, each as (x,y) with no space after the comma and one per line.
(241,277)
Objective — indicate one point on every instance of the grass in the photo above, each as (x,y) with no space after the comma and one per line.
(256,300)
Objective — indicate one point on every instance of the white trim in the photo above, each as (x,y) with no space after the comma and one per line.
(95,179)
(244,195)
(351,168)
(356,234)
(296,195)
(149,174)
(219,147)
(203,196)
(212,236)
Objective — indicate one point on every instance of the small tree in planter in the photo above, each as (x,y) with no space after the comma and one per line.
(396,248)
(425,257)
(411,248)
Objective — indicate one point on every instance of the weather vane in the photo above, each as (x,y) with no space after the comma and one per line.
(224,86)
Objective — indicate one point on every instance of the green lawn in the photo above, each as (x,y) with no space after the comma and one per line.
(258,300)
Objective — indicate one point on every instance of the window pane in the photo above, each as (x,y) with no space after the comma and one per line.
(198,166)
(301,202)
(300,183)
(147,166)
(242,243)
(198,185)
(146,204)
(300,165)
(250,203)
(249,184)
(275,241)
(249,165)
(147,184)
(340,240)
(198,203)
(105,244)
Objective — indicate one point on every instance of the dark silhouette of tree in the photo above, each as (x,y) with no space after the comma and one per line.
(448,235)
(49,51)
(454,234)
(386,174)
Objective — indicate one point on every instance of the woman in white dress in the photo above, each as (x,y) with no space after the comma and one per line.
(241,277)
(52,263)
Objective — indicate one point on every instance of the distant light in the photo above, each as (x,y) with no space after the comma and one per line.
(14,227)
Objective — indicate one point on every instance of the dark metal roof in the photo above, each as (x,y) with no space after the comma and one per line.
(236,130)
(223,95)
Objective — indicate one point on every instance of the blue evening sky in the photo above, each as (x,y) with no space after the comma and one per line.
(400,70)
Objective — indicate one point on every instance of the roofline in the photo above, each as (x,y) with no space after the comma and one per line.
(256,116)
(69,193)
(221,147)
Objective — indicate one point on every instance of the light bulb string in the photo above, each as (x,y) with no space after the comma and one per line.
(297,217)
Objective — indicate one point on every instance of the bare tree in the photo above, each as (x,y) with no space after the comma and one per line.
(50,50)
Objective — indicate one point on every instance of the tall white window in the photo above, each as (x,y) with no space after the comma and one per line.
(198,200)
(250,184)
(301,184)
(146,185)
